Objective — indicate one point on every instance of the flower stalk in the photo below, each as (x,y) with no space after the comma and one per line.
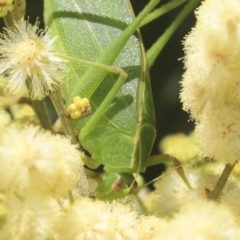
(40,109)
(215,194)
(16,12)
(58,103)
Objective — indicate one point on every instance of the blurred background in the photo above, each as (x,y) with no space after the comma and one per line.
(165,74)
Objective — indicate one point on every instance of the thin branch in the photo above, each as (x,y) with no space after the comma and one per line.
(215,194)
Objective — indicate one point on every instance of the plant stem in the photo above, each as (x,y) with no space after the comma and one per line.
(157,47)
(40,110)
(59,105)
(215,194)
(161,11)
(16,14)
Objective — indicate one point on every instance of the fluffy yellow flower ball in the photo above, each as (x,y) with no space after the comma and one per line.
(35,162)
(210,86)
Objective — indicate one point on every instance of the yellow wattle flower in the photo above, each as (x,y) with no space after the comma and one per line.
(28,56)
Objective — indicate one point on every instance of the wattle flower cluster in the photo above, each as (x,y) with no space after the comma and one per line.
(211,83)
(28,57)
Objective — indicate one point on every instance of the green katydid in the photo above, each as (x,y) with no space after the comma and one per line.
(120,131)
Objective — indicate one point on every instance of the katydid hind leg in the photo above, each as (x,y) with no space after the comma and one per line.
(101,109)
(106,102)
(110,95)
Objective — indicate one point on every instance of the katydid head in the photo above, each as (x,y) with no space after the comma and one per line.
(115,186)
(118,185)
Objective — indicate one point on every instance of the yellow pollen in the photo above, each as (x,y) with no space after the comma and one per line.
(27,51)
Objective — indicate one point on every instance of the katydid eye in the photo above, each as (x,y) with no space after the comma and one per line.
(117,185)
